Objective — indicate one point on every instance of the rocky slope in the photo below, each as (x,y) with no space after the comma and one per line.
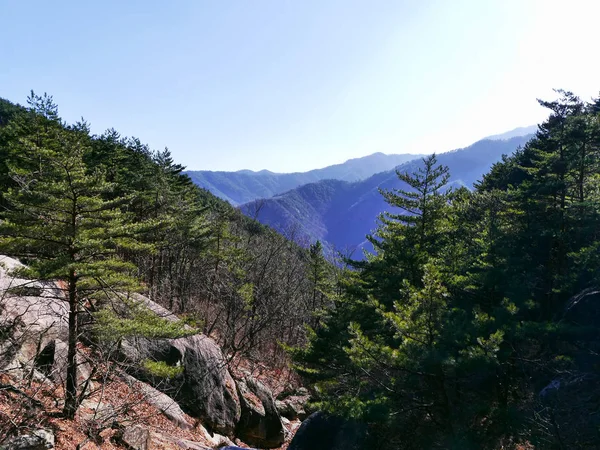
(207,405)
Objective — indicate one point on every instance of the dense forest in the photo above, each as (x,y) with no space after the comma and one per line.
(104,213)
(473,324)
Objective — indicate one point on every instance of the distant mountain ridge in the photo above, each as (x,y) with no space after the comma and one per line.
(521,131)
(342,213)
(245,186)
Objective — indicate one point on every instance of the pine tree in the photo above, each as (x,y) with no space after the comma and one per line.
(59,223)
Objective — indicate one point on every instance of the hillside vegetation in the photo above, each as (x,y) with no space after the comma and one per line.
(474,324)
(105,218)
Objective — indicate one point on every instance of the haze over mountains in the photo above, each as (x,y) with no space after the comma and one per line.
(246,185)
(342,213)
(339,205)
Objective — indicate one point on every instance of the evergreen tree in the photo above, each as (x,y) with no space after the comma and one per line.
(59,223)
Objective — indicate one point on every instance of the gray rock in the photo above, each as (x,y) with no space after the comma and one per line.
(37,440)
(292,407)
(93,410)
(260,424)
(137,437)
(32,314)
(204,390)
(52,362)
(208,390)
(160,401)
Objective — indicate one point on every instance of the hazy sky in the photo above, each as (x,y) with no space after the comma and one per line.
(292,85)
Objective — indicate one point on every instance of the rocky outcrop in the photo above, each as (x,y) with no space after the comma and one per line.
(34,317)
(52,362)
(204,389)
(165,404)
(36,440)
(321,431)
(293,407)
(32,314)
(260,423)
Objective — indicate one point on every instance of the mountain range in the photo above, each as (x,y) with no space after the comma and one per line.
(342,213)
(245,186)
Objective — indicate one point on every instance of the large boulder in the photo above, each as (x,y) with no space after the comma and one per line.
(32,314)
(165,404)
(293,406)
(138,437)
(52,362)
(322,431)
(260,423)
(204,389)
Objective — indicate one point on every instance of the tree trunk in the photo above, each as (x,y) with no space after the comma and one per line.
(71,385)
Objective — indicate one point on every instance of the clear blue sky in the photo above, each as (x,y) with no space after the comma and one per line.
(292,85)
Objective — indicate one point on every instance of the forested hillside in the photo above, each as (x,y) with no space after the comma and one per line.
(103,219)
(342,213)
(245,185)
(472,324)
(475,323)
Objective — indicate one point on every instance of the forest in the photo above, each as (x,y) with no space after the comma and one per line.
(473,324)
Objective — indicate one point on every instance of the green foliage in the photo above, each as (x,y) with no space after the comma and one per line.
(105,217)
(161,369)
(474,301)
(137,321)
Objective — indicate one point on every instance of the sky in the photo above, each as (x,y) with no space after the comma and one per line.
(293,85)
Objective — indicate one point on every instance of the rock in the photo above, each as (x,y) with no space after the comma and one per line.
(204,390)
(93,410)
(165,404)
(302,391)
(321,431)
(37,440)
(208,390)
(292,407)
(259,424)
(52,362)
(32,314)
(137,437)
(215,440)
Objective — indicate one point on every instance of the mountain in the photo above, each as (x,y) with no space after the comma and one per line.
(246,185)
(521,131)
(342,213)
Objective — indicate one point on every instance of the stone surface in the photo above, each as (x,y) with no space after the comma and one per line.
(292,407)
(136,437)
(204,390)
(52,362)
(32,313)
(36,440)
(93,410)
(165,404)
(260,424)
